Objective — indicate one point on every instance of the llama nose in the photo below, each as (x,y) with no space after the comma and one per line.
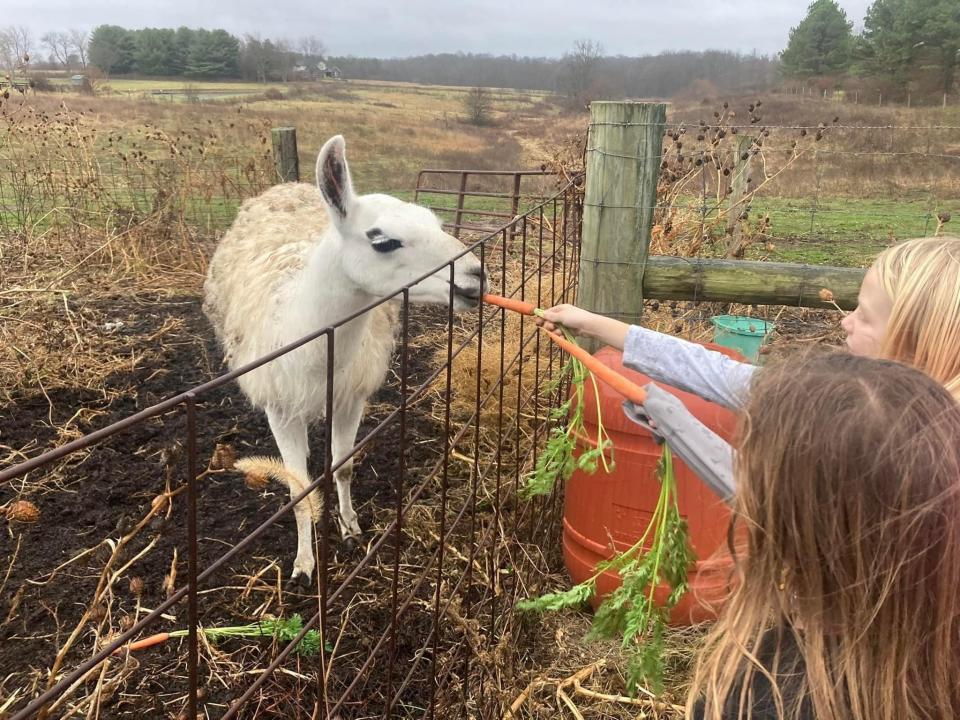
(472,291)
(481,275)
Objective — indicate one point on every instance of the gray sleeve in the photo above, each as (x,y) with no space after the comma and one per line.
(687,366)
(708,455)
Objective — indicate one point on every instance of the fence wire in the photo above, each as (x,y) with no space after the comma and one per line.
(421,623)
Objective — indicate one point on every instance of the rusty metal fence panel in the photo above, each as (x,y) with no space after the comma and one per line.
(422,623)
(495,196)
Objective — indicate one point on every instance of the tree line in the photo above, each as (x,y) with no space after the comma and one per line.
(581,74)
(905,46)
(199,53)
(161,52)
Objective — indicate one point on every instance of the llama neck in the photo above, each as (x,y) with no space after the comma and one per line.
(323,293)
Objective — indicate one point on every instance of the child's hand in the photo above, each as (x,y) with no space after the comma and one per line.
(574,319)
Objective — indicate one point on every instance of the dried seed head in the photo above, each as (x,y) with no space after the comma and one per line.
(170,455)
(223,458)
(826,295)
(98,612)
(136,586)
(23,511)
(943,216)
(126,622)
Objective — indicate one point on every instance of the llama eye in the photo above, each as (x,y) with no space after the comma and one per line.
(386,245)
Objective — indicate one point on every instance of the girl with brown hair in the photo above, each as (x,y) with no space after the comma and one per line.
(845,602)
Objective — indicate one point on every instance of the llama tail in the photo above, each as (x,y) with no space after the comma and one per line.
(258,470)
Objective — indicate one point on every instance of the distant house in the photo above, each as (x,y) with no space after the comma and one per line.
(310,71)
(78,80)
(332,72)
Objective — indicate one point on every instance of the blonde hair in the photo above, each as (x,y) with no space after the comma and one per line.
(922,279)
(844,602)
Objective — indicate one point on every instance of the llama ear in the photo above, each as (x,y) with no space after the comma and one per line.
(333,177)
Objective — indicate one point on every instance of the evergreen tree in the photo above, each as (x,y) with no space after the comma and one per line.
(820,44)
(112,49)
(213,55)
(900,35)
(156,52)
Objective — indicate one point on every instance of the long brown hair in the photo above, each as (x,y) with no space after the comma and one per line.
(849,504)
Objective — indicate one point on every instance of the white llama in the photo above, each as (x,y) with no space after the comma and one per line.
(298,259)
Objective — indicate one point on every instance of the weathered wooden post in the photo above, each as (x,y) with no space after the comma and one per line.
(739,189)
(285,157)
(624,147)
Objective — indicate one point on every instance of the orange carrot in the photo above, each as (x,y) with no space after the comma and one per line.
(146,642)
(630,390)
(524,308)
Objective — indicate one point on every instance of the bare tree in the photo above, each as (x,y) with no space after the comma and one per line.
(580,70)
(16,45)
(479,105)
(79,40)
(285,59)
(59,45)
(257,56)
(311,48)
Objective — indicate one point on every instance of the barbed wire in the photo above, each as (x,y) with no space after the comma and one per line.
(747,126)
(776,149)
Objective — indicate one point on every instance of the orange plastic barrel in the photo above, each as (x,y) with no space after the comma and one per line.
(605,514)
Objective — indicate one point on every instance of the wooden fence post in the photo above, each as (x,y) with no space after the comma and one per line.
(624,147)
(739,188)
(285,157)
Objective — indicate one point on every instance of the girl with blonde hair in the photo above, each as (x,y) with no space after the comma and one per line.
(908,310)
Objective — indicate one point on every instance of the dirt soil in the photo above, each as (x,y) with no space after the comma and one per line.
(104,492)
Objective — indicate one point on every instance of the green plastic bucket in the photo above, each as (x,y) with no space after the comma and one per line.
(743,334)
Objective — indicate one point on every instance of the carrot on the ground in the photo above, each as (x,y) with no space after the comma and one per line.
(144,642)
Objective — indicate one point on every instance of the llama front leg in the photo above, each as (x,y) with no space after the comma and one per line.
(291,437)
(345,424)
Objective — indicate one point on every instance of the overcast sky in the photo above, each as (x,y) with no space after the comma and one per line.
(379,28)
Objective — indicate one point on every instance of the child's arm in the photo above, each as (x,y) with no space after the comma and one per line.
(671,360)
(708,455)
(688,366)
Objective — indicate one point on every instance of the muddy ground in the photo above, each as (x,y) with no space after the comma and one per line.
(103,493)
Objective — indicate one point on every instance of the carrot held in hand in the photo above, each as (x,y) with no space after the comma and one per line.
(629,390)
(524,308)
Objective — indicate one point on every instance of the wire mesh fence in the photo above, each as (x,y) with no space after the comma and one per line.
(421,622)
(818,191)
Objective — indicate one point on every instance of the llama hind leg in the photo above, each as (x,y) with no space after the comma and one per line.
(291,437)
(345,425)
